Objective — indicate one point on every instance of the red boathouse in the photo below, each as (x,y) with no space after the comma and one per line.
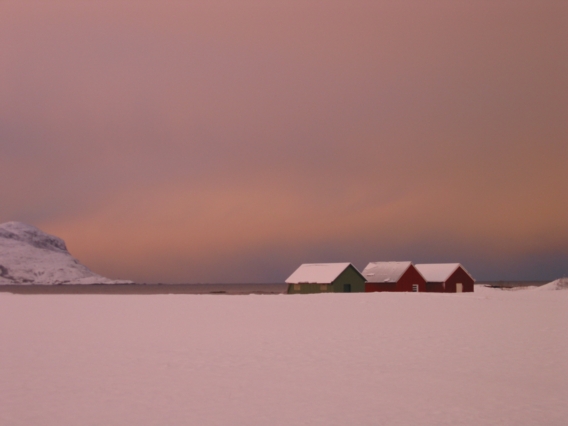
(393,276)
(446,277)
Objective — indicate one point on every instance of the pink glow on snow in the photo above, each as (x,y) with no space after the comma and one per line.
(484,358)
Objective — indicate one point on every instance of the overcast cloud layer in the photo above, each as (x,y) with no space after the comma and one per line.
(212,141)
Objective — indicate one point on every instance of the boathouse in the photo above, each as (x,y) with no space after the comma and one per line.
(393,276)
(446,277)
(326,278)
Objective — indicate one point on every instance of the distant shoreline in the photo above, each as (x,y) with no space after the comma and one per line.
(145,288)
(234,289)
(511,284)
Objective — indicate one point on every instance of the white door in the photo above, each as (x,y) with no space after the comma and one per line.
(459,288)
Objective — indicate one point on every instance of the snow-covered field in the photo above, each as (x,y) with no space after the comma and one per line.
(491,357)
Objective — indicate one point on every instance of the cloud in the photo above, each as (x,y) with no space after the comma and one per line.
(160,139)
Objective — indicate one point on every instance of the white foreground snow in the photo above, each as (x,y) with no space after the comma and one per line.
(491,357)
(30,256)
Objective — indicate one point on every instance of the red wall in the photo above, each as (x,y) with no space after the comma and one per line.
(435,287)
(371,287)
(460,276)
(411,276)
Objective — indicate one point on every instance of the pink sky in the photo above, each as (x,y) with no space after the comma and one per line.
(213,141)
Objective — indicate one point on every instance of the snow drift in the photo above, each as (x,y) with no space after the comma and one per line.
(559,284)
(30,256)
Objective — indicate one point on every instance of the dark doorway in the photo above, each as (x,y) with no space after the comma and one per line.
(346,288)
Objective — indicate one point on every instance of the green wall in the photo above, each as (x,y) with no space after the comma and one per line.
(309,289)
(349,276)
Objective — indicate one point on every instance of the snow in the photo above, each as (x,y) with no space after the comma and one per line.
(317,273)
(492,357)
(438,272)
(381,272)
(559,284)
(30,256)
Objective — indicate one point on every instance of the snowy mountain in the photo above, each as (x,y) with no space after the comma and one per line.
(30,256)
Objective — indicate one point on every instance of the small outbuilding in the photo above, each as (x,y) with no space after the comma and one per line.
(393,276)
(326,278)
(446,277)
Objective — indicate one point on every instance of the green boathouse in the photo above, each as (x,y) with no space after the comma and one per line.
(326,278)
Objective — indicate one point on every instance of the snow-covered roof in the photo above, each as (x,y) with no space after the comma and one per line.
(318,273)
(385,272)
(438,272)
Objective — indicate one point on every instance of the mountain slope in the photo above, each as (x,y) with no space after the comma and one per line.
(30,256)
